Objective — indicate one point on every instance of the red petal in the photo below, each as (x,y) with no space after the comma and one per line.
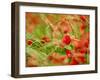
(82,26)
(86,44)
(74,62)
(82,60)
(66,39)
(83,50)
(68,53)
(29,42)
(83,18)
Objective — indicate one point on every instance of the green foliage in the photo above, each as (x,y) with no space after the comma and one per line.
(29,36)
(69,47)
(48,31)
(87,29)
(87,58)
(47,49)
(36,45)
(39,31)
(60,50)
(39,55)
(56,18)
(72,33)
(76,30)
(42,30)
(68,60)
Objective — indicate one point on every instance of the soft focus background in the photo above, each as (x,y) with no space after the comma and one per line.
(5,40)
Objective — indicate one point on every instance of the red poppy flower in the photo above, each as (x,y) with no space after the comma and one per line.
(29,42)
(83,18)
(86,44)
(66,39)
(82,59)
(82,26)
(68,53)
(74,62)
(83,50)
(45,39)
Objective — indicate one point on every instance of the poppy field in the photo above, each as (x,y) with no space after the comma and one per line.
(57,39)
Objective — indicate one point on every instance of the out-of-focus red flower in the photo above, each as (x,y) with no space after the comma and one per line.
(29,42)
(45,39)
(83,18)
(83,50)
(82,26)
(66,39)
(76,43)
(68,53)
(82,59)
(73,62)
(86,44)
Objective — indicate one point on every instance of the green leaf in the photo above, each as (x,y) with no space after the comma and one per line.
(47,48)
(60,50)
(87,29)
(56,18)
(87,58)
(48,31)
(71,33)
(36,45)
(28,35)
(37,53)
(29,50)
(39,31)
(60,35)
(43,16)
(69,47)
(68,60)
(76,30)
